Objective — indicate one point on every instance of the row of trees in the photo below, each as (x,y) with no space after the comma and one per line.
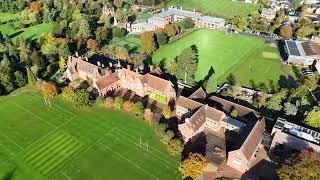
(119,104)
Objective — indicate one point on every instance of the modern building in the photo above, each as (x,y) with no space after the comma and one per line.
(302,53)
(289,136)
(242,134)
(111,78)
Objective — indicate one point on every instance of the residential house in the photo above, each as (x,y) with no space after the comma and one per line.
(289,136)
(242,134)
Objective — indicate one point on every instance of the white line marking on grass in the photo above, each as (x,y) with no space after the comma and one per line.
(34,114)
(166,161)
(5,148)
(66,176)
(149,146)
(11,140)
(30,145)
(129,161)
(75,158)
(268,69)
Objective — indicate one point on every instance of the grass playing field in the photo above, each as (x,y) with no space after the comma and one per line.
(131,42)
(220,8)
(32,32)
(63,143)
(248,58)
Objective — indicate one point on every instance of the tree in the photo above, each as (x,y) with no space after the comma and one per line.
(118,32)
(170,30)
(187,23)
(167,136)
(49,90)
(303,165)
(81,98)
(68,93)
(290,109)
(148,44)
(6,80)
(187,65)
(121,53)
(166,112)
(262,100)
(303,12)
(84,29)
(20,79)
(160,129)
(93,45)
(62,64)
(118,3)
(128,106)
(31,77)
(305,30)
(6,63)
(138,108)
(175,147)
(193,166)
(286,31)
(312,82)
(234,113)
(212,84)
(275,102)
(312,118)
(162,38)
(171,66)
(118,103)
(108,103)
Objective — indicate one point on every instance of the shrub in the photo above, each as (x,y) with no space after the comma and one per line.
(138,108)
(109,103)
(128,106)
(68,93)
(100,100)
(118,103)
(166,112)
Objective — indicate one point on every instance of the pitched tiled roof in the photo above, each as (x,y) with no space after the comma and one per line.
(198,94)
(228,106)
(188,103)
(155,82)
(197,119)
(213,113)
(251,143)
(107,80)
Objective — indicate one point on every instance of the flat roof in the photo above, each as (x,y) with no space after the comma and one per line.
(176,11)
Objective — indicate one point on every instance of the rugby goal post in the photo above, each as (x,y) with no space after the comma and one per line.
(143,145)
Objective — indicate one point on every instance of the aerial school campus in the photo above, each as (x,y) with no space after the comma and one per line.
(177,89)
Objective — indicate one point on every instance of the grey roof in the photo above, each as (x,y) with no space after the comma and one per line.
(212,19)
(156,21)
(175,11)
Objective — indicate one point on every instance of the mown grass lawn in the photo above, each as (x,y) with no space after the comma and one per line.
(32,32)
(220,8)
(62,143)
(248,58)
(130,42)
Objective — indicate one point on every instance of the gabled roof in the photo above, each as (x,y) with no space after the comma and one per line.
(229,106)
(155,82)
(107,80)
(252,141)
(188,103)
(213,113)
(198,94)
(197,119)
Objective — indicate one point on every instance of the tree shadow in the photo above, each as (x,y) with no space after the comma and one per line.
(197,144)
(15,34)
(202,82)
(231,79)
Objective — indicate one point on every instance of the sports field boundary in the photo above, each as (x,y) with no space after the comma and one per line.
(55,128)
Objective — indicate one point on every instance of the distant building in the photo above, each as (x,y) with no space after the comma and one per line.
(289,136)
(242,134)
(316,39)
(173,14)
(302,53)
(268,13)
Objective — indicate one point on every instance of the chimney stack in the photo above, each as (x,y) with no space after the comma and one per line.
(98,63)
(110,64)
(128,66)
(151,67)
(86,58)
(77,55)
(162,9)
(180,7)
(137,70)
(194,10)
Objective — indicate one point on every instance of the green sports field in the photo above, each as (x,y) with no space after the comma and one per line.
(248,58)
(220,8)
(31,32)
(130,42)
(63,143)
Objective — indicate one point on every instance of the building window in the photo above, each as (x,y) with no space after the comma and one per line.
(236,161)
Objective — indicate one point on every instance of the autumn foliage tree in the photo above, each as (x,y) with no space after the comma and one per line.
(128,106)
(166,112)
(286,31)
(193,166)
(49,90)
(108,103)
(148,43)
(304,165)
